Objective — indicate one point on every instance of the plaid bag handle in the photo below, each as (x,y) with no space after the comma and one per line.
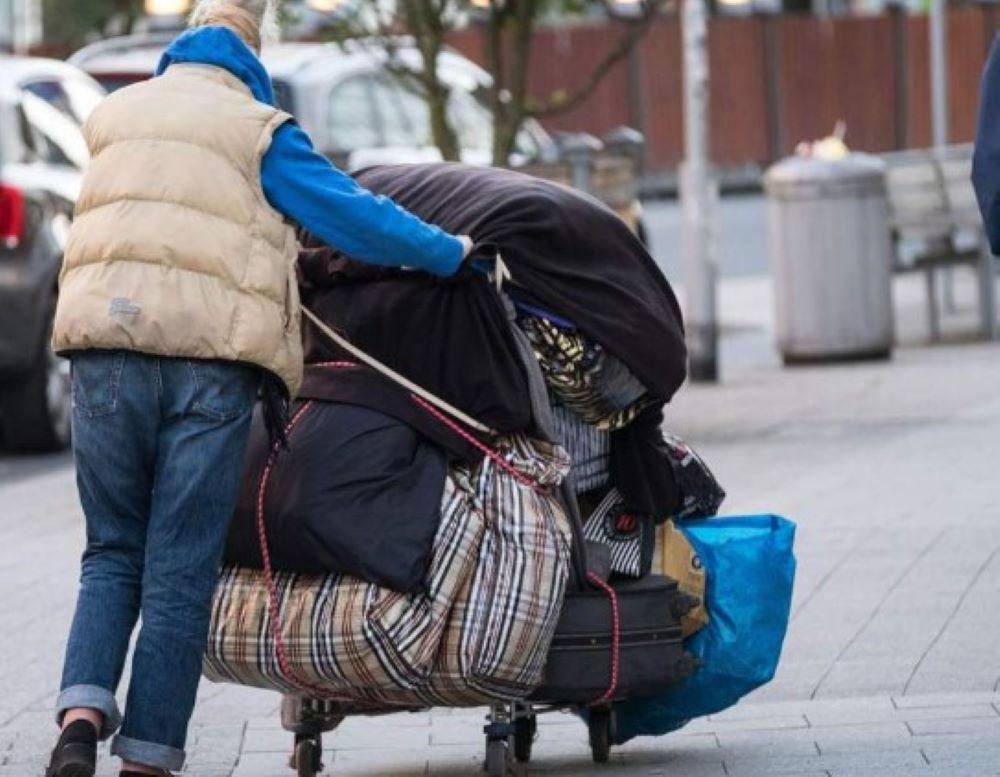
(394,376)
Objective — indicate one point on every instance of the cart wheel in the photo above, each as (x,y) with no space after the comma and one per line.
(308,756)
(599,727)
(524,737)
(496,758)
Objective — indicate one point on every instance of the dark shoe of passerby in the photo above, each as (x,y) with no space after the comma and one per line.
(75,754)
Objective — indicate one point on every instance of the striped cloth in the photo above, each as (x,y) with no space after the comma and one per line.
(630,538)
(480,632)
(578,370)
(588,447)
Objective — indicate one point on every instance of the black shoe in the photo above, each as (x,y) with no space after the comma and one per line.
(75,755)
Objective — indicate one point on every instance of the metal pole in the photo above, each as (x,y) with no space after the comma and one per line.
(697,199)
(938,30)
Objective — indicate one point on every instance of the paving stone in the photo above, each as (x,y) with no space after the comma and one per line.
(961,751)
(831,712)
(848,738)
(360,734)
(926,771)
(758,723)
(260,740)
(958,711)
(945,699)
(960,726)
(886,760)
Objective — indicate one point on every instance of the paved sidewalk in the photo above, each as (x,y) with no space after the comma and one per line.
(891,666)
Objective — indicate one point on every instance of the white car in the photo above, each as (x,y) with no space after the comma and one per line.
(42,153)
(344,97)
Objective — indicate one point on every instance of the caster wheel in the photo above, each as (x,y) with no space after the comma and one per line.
(308,757)
(496,758)
(524,737)
(599,728)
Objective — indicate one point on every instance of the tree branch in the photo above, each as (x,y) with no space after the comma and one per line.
(636,29)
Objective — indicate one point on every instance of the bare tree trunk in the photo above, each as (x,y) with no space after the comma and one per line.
(498,70)
(519,17)
(525,13)
(443,133)
(425,21)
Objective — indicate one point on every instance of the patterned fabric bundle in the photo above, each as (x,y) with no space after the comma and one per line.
(701,494)
(588,379)
(631,538)
(589,448)
(479,632)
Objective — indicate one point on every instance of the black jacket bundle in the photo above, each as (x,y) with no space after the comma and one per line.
(357,492)
(449,336)
(566,251)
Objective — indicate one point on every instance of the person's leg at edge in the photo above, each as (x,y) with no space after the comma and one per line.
(115,417)
(207,408)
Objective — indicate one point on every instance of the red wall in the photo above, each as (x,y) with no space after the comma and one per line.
(870,71)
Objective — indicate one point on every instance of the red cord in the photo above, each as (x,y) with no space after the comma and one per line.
(454,426)
(616,626)
(499,460)
(273,608)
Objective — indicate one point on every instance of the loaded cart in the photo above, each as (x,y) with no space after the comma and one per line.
(474,506)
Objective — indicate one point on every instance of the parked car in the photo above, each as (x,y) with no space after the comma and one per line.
(356,113)
(43,104)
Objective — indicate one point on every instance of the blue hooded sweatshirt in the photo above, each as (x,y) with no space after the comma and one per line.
(301,183)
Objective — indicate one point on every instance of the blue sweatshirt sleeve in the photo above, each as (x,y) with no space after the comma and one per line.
(304,186)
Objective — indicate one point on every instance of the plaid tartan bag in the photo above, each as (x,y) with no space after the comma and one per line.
(500,629)
(480,631)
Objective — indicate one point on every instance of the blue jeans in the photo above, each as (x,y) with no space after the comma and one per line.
(159,446)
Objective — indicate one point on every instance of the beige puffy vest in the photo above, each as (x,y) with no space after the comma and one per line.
(174,250)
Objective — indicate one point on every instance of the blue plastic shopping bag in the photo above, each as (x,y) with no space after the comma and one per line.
(750,568)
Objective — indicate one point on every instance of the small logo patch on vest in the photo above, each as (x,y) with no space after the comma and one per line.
(122,306)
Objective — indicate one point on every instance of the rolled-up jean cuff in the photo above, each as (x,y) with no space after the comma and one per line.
(148,753)
(91,697)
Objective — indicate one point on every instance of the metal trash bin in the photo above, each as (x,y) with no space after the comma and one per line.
(831,258)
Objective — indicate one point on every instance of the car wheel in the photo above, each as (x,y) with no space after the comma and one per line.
(37,410)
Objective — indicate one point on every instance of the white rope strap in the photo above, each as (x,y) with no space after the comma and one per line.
(394,376)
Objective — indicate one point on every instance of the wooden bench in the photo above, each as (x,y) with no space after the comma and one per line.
(936,225)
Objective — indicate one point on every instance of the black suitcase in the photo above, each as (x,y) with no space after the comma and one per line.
(651,655)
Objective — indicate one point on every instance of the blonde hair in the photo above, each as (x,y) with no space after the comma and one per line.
(255,21)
